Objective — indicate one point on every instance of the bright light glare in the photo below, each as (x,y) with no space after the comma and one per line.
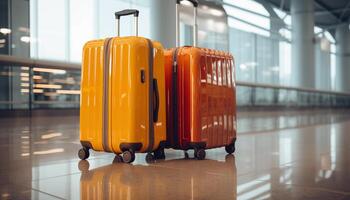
(37,77)
(50,151)
(54,71)
(329,37)
(24,90)
(317,29)
(216,12)
(25,84)
(248,17)
(68,91)
(249,5)
(285,33)
(48,86)
(186,3)
(234,23)
(50,135)
(281,14)
(25,39)
(5,31)
(37,91)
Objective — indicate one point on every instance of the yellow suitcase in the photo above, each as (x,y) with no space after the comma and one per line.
(122,108)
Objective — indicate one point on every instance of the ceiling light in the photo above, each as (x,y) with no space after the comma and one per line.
(25,84)
(25,39)
(24,78)
(24,90)
(5,31)
(37,77)
(216,12)
(48,86)
(38,91)
(54,71)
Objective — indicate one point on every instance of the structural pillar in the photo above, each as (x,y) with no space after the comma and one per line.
(163,22)
(342,37)
(303,56)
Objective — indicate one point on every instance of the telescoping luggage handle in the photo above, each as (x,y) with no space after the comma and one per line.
(124,13)
(195,26)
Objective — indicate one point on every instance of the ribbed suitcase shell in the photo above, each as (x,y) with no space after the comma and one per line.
(128,110)
(206,101)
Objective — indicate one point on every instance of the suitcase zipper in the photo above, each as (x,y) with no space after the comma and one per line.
(150,97)
(175,99)
(105,117)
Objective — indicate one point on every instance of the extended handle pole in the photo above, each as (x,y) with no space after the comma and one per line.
(118,27)
(124,13)
(195,26)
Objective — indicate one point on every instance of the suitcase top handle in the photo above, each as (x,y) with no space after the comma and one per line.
(195,26)
(125,13)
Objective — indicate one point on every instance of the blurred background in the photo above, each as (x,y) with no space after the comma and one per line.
(287,53)
(292,65)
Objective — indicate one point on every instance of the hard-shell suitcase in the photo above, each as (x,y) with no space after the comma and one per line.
(210,180)
(123,96)
(201,101)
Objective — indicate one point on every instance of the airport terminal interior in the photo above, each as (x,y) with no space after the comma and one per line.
(290,75)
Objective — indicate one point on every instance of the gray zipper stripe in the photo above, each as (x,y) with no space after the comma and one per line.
(105,118)
(150,97)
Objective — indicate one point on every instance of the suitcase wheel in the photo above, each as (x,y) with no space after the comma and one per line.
(186,155)
(199,154)
(230,148)
(150,157)
(83,153)
(159,154)
(128,156)
(118,158)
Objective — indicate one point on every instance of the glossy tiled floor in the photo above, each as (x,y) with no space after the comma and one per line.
(280,155)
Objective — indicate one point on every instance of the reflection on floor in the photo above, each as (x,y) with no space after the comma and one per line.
(280,155)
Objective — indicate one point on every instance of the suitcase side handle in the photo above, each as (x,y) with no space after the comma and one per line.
(195,26)
(125,13)
(156,94)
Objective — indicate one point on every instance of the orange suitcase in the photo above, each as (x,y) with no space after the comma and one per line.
(201,96)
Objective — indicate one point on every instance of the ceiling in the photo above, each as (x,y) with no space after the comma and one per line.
(328,13)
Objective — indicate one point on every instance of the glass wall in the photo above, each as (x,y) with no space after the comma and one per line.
(14,28)
(256,33)
(260,40)
(38,87)
(59,28)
